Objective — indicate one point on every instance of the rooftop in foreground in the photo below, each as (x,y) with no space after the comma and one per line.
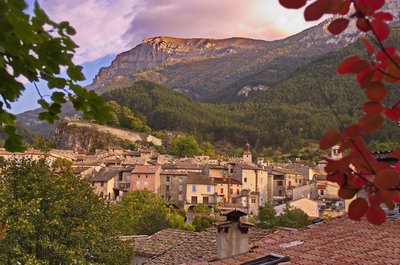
(337,241)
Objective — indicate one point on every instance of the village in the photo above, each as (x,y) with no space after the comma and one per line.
(244,183)
(238,188)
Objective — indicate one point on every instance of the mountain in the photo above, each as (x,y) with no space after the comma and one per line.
(303,106)
(205,68)
(215,70)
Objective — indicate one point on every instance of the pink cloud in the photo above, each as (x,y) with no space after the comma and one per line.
(112,26)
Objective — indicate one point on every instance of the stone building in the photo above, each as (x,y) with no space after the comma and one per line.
(173,187)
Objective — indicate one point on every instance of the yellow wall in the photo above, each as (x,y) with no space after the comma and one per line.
(310,207)
(201,191)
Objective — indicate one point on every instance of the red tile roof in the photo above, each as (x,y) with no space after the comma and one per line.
(337,241)
(225,181)
(145,169)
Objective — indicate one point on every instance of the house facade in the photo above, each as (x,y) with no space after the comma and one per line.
(145,177)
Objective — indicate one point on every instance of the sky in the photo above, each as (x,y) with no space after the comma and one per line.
(108,27)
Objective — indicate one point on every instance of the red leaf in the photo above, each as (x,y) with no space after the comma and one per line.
(381,29)
(317,9)
(393,114)
(352,130)
(362,25)
(396,154)
(293,4)
(393,74)
(365,77)
(371,122)
(373,107)
(387,178)
(383,16)
(338,26)
(368,45)
(376,91)
(381,56)
(387,197)
(330,139)
(375,215)
(347,193)
(358,208)
(345,66)
(376,4)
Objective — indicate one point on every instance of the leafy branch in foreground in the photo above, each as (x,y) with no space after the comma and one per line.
(36,48)
(359,173)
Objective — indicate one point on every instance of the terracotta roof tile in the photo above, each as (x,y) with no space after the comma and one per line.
(337,241)
(139,169)
(171,246)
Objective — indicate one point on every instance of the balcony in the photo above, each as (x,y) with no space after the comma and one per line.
(122,186)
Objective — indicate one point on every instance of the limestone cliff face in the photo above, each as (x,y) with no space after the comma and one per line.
(82,138)
(162,50)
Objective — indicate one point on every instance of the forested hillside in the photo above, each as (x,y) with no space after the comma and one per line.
(300,108)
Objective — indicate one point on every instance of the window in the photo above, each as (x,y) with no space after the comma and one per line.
(245,180)
(168,178)
(180,179)
(253,200)
(222,190)
(279,183)
(146,176)
(290,183)
(208,188)
(138,176)
(233,200)
(230,191)
(102,184)
(231,170)
(194,199)
(167,188)
(237,191)
(193,187)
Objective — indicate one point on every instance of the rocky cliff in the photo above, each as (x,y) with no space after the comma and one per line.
(89,136)
(163,50)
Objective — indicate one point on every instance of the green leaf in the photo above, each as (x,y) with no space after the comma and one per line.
(14,141)
(75,73)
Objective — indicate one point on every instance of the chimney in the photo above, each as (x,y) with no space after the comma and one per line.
(232,235)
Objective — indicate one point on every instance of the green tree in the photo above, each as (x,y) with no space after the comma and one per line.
(207,149)
(294,218)
(62,163)
(41,143)
(37,48)
(144,212)
(124,117)
(266,217)
(202,222)
(48,218)
(201,208)
(185,146)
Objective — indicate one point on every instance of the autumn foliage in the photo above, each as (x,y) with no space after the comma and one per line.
(359,174)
